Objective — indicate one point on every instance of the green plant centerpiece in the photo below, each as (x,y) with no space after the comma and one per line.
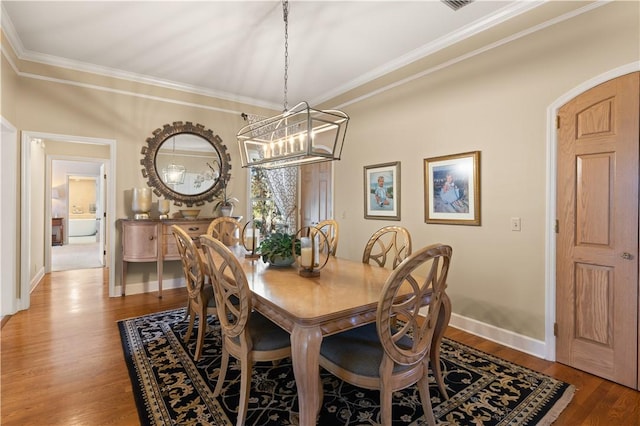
(277,248)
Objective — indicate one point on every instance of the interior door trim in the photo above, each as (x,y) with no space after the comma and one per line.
(25,206)
(551,182)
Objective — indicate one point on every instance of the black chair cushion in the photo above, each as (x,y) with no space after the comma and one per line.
(359,350)
(265,334)
(208,293)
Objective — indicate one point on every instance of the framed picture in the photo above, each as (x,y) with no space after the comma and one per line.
(382,191)
(452,189)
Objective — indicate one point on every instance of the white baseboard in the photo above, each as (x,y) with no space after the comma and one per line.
(36,279)
(151,286)
(504,337)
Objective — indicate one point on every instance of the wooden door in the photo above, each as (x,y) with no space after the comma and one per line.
(597,239)
(315,193)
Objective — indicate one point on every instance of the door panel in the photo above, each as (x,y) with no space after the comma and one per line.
(597,240)
(315,193)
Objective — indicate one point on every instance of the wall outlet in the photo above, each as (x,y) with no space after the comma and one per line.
(516,224)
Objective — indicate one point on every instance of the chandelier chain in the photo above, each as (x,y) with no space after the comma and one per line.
(285,12)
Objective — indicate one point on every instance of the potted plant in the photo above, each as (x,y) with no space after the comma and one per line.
(277,248)
(225,202)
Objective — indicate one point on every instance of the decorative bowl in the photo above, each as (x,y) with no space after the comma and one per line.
(281,262)
(190,213)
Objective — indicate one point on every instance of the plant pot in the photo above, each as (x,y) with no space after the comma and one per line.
(226,210)
(281,262)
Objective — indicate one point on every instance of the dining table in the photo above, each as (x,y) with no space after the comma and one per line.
(343,296)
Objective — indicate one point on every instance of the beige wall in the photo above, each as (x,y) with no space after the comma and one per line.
(51,107)
(495,103)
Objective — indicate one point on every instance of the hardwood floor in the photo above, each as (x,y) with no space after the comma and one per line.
(62,360)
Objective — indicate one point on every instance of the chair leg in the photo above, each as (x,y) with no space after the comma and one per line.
(192,316)
(224,365)
(444,315)
(386,406)
(202,329)
(423,388)
(187,311)
(245,387)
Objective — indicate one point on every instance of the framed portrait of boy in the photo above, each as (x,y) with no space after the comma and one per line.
(382,191)
(452,189)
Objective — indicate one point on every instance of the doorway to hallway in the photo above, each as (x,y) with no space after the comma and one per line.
(77,206)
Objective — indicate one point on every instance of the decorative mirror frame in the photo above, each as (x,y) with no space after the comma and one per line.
(159,187)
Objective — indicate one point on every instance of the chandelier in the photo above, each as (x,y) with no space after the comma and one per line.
(300,135)
(174,173)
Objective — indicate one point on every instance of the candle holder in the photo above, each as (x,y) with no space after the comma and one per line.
(163,208)
(251,240)
(314,252)
(141,203)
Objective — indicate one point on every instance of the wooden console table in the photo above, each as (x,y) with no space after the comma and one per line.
(151,240)
(57,231)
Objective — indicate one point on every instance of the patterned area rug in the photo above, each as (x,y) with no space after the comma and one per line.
(170,388)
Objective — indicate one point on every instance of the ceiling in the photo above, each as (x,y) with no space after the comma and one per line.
(235,49)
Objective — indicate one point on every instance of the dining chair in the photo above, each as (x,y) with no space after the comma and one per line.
(226,229)
(390,243)
(394,243)
(330,229)
(200,294)
(247,335)
(388,355)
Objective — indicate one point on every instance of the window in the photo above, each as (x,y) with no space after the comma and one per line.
(264,211)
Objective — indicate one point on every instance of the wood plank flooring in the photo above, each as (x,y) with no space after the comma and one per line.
(62,361)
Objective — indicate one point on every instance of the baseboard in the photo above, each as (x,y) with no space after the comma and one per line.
(151,286)
(4,320)
(36,279)
(498,335)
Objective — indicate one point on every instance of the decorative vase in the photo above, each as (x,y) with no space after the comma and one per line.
(163,208)
(226,210)
(281,262)
(141,202)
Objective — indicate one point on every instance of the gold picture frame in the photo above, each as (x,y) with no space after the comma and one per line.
(452,189)
(382,191)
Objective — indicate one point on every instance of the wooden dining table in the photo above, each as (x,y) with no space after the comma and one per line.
(344,296)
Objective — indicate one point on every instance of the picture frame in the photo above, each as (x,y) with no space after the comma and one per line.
(452,189)
(382,191)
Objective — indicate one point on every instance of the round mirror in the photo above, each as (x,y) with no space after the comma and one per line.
(185,162)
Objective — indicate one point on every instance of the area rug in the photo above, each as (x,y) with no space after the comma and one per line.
(171,388)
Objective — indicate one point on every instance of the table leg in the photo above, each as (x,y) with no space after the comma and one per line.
(441,325)
(305,356)
(123,279)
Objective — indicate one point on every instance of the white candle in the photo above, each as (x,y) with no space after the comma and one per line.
(306,252)
(250,243)
(256,239)
(316,255)
(305,256)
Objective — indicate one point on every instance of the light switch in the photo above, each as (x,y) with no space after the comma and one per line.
(516,224)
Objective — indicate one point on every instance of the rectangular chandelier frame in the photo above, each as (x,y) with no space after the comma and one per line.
(301,135)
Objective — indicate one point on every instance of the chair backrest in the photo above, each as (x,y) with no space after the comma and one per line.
(404,331)
(330,229)
(226,229)
(230,286)
(191,262)
(388,243)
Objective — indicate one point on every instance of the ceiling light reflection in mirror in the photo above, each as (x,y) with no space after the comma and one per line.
(188,164)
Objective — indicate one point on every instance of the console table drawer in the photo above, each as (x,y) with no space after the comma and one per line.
(194,228)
